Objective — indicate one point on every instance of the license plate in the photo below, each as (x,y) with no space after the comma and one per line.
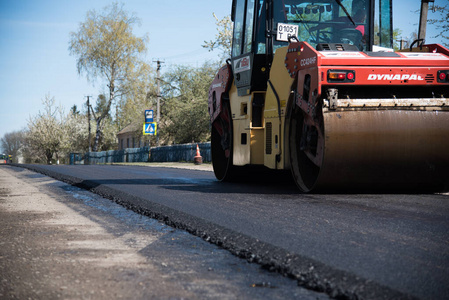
(284,31)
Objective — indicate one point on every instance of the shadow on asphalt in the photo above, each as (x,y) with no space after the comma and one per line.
(257,181)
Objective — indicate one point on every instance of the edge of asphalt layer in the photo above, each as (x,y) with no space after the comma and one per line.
(308,273)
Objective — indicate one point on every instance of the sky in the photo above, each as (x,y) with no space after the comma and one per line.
(35,60)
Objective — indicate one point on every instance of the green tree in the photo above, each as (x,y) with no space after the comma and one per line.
(396,34)
(385,36)
(11,143)
(140,94)
(184,110)
(106,47)
(101,106)
(75,110)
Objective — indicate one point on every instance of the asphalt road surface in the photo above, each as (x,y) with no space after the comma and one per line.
(372,246)
(58,241)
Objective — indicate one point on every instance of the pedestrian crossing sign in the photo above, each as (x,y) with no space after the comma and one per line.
(150,128)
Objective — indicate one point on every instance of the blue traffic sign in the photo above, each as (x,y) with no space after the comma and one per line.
(150,128)
(149,116)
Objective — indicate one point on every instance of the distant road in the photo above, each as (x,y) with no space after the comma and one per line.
(372,246)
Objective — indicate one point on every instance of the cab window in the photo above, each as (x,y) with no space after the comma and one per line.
(325,21)
(243,27)
(239,14)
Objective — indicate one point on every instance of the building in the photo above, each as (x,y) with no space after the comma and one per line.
(130,136)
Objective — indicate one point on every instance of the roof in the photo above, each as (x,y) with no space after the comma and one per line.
(130,128)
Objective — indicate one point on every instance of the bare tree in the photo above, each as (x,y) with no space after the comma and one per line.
(223,38)
(107,48)
(440,17)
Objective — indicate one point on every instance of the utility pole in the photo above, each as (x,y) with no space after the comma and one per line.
(423,19)
(158,115)
(401,45)
(88,122)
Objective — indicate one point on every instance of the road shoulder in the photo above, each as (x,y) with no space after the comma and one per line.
(59,241)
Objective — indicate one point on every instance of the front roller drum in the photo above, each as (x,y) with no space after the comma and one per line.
(306,155)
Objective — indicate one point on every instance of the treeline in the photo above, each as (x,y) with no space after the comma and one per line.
(55,132)
(108,52)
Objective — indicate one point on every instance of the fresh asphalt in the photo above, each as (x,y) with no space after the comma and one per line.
(372,246)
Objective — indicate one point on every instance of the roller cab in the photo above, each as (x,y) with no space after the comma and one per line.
(306,90)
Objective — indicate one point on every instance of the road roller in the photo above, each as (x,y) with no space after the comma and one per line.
(316,88)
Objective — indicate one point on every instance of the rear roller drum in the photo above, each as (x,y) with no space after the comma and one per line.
(221,145)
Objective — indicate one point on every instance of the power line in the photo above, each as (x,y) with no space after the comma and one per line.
(198,56)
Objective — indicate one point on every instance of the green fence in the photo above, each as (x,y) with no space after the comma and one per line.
(173,153)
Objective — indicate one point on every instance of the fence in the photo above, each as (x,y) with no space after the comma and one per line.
(173,153)
(184,152)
